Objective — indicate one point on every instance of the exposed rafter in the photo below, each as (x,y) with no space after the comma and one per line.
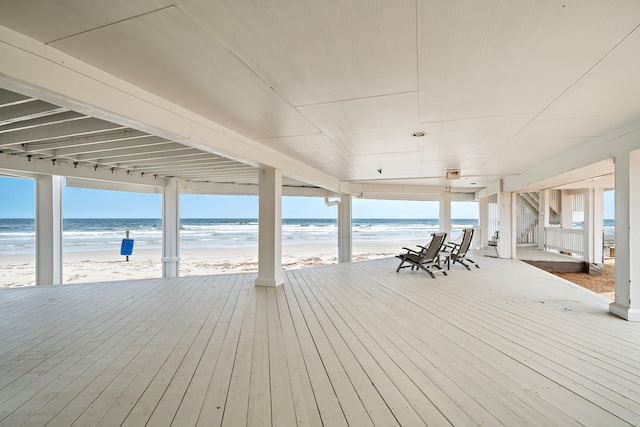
(38,137)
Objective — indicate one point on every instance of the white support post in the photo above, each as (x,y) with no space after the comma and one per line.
(483,220)
(171,228)
(627,220)
(49,230)
(543,217)
(592,229)
(507,213)
(445,212)
(566,209)
(345,234)
(270,228)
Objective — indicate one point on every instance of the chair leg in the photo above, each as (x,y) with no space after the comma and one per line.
(428,271)
(463,263)
(473,262)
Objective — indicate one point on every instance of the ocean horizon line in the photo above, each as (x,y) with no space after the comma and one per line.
(255,218)
(245,218)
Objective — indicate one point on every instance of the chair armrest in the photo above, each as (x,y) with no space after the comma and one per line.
(450,246)
(411,250)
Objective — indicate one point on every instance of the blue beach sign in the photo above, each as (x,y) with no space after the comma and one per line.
(127,247)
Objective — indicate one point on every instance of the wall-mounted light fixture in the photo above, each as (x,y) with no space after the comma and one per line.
(453,174)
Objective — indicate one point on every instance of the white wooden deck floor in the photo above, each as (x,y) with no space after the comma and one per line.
(356,344)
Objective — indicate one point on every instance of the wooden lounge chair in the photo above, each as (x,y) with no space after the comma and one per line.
(426,257)
(458,251)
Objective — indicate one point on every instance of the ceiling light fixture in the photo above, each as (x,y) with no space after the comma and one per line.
(453,174)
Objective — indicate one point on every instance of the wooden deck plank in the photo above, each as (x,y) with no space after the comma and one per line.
(464,354)
(326,400)
(57,333)
(508,332)
(169,325)
(282,406)
(305,405)
(408,404)
(451,398)
(206,393)
(112,356)
(353,344)
(392,401)
(236,409)
(162,398)
(45,318)
(367,392)
(352,407)
(579,366)
(65,361)
(133,362)
(260,387)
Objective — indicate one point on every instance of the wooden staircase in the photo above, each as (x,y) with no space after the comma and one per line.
(529,212)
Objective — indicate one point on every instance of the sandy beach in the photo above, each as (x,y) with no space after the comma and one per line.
(99,266)
(104,266)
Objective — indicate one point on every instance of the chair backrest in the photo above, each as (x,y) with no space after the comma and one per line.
(494,239)
(466,242)
(437,240)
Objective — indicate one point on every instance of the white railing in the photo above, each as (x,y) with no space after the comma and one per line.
(565,240)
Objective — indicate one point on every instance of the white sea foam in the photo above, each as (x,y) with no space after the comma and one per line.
(18,236)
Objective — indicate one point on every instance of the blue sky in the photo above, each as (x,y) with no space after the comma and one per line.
(17,200)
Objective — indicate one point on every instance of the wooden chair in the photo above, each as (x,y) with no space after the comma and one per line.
(426,258)
(494,242)
(458,251)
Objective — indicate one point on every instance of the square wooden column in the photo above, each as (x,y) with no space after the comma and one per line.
(270,229)
(506,215)
(566,209)
(483,221)
(171,228)
(49,230)
(444,218)
(543,216)
(345,233)
(593,228)
(627,219)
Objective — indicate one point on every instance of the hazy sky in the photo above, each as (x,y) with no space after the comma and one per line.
(17,200)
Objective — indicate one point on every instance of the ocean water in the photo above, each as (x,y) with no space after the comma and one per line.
(17,236)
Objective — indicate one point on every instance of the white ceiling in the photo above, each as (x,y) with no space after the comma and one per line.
(499,87)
